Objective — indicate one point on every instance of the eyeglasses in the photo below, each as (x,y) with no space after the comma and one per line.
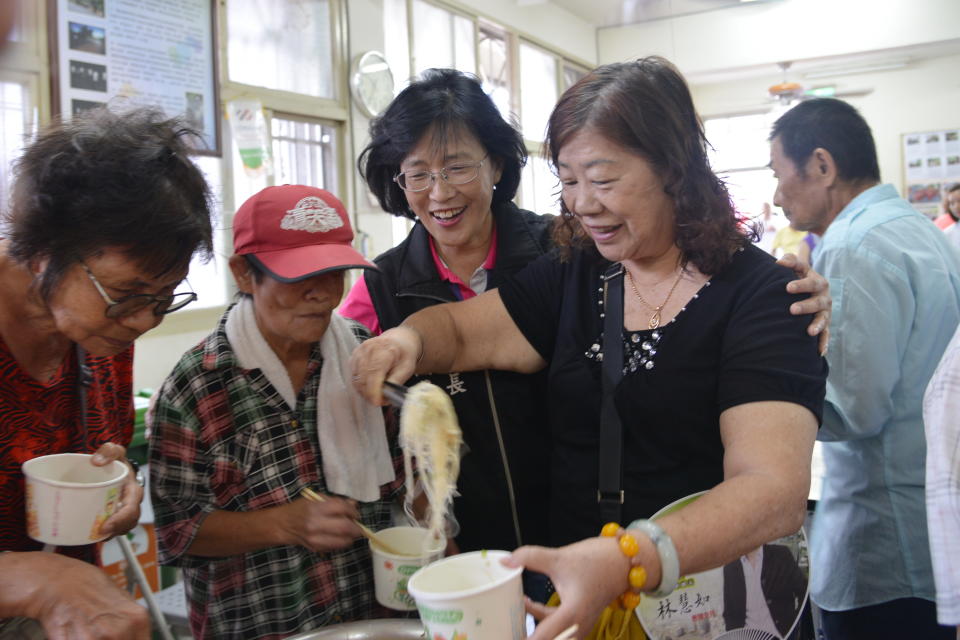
(129,305)
(459,173)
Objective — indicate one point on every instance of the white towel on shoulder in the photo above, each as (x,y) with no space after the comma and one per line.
(353,441)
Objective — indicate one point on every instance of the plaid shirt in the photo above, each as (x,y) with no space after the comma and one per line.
(941,418)
(223,439)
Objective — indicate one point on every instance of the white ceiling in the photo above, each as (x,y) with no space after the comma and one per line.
(814,71)
(612,13)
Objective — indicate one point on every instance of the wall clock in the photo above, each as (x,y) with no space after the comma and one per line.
(372,83)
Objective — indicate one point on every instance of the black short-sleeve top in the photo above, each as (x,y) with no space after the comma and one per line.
(735,342)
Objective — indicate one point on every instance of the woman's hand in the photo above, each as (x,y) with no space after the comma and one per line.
(127,514)
(321,526)
(71,599)
(588,575)
(819,303)
(393,356)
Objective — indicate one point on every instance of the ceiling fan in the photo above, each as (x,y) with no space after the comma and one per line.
(787,92)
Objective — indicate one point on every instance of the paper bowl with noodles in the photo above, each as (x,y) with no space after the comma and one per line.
(392,571)
(470,596)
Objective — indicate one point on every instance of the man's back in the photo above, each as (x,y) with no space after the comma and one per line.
(896,287)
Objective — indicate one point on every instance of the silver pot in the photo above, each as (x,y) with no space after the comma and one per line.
(389,629)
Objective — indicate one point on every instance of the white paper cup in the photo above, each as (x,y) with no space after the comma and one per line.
(470,595)
(391,571)
(68,498)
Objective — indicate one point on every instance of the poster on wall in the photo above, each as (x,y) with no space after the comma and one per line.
(129,52)
(931,162)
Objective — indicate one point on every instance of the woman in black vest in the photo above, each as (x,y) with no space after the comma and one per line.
(442,155)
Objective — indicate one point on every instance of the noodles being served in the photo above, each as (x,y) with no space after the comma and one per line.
(429,431)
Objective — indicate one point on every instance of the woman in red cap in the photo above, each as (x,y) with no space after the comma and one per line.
(259,411)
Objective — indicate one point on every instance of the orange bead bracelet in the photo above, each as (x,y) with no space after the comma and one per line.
(637,577)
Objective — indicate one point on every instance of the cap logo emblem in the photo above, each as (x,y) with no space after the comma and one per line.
(311,214)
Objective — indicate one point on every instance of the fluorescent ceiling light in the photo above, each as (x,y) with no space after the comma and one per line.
(829,72)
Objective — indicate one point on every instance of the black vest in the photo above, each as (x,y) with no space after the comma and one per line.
(503,482)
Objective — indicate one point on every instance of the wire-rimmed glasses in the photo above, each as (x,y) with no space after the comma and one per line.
(457,173)
(129,305)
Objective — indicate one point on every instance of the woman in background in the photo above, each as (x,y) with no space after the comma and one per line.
(442,155)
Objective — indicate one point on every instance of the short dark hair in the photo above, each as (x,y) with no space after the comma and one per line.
(645,107)
(105,179)
(830,124)
(448,101)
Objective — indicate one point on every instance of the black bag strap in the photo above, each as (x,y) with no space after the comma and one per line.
(84,382)
(609,487)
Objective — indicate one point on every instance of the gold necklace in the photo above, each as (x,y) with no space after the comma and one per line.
(655,318)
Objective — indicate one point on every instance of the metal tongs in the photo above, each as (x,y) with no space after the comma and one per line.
(394,393)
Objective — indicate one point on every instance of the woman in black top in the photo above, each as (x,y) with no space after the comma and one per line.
(442,155)
(721,388)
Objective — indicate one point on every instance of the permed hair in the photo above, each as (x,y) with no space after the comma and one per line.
(109,180)
(645,107)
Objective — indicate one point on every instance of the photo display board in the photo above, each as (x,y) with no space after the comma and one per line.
(931,164)
(127,52)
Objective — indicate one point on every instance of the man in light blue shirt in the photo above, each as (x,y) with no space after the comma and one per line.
(896,287)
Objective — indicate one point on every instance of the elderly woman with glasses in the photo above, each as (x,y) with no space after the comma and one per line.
(442,155)
(106,215)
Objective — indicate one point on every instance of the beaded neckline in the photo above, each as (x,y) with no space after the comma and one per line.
(639,347)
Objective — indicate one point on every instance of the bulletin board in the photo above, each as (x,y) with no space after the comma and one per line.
(931,163)
(131,52)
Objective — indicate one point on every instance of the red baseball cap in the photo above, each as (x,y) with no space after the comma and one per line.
(295,232)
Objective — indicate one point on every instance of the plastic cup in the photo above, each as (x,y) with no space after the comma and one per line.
(392,571)
(68,498)
(470,595)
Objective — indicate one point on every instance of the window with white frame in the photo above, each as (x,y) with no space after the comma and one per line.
(538,90)
(208,279)
(572,73)
(539,93)
(15,126)
(740,154)
(495,68)
(281,45)
(304,152)
(442,39)
(22,70)
(396,42)
(539,186)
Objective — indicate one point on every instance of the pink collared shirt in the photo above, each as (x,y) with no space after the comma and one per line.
(359,306)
